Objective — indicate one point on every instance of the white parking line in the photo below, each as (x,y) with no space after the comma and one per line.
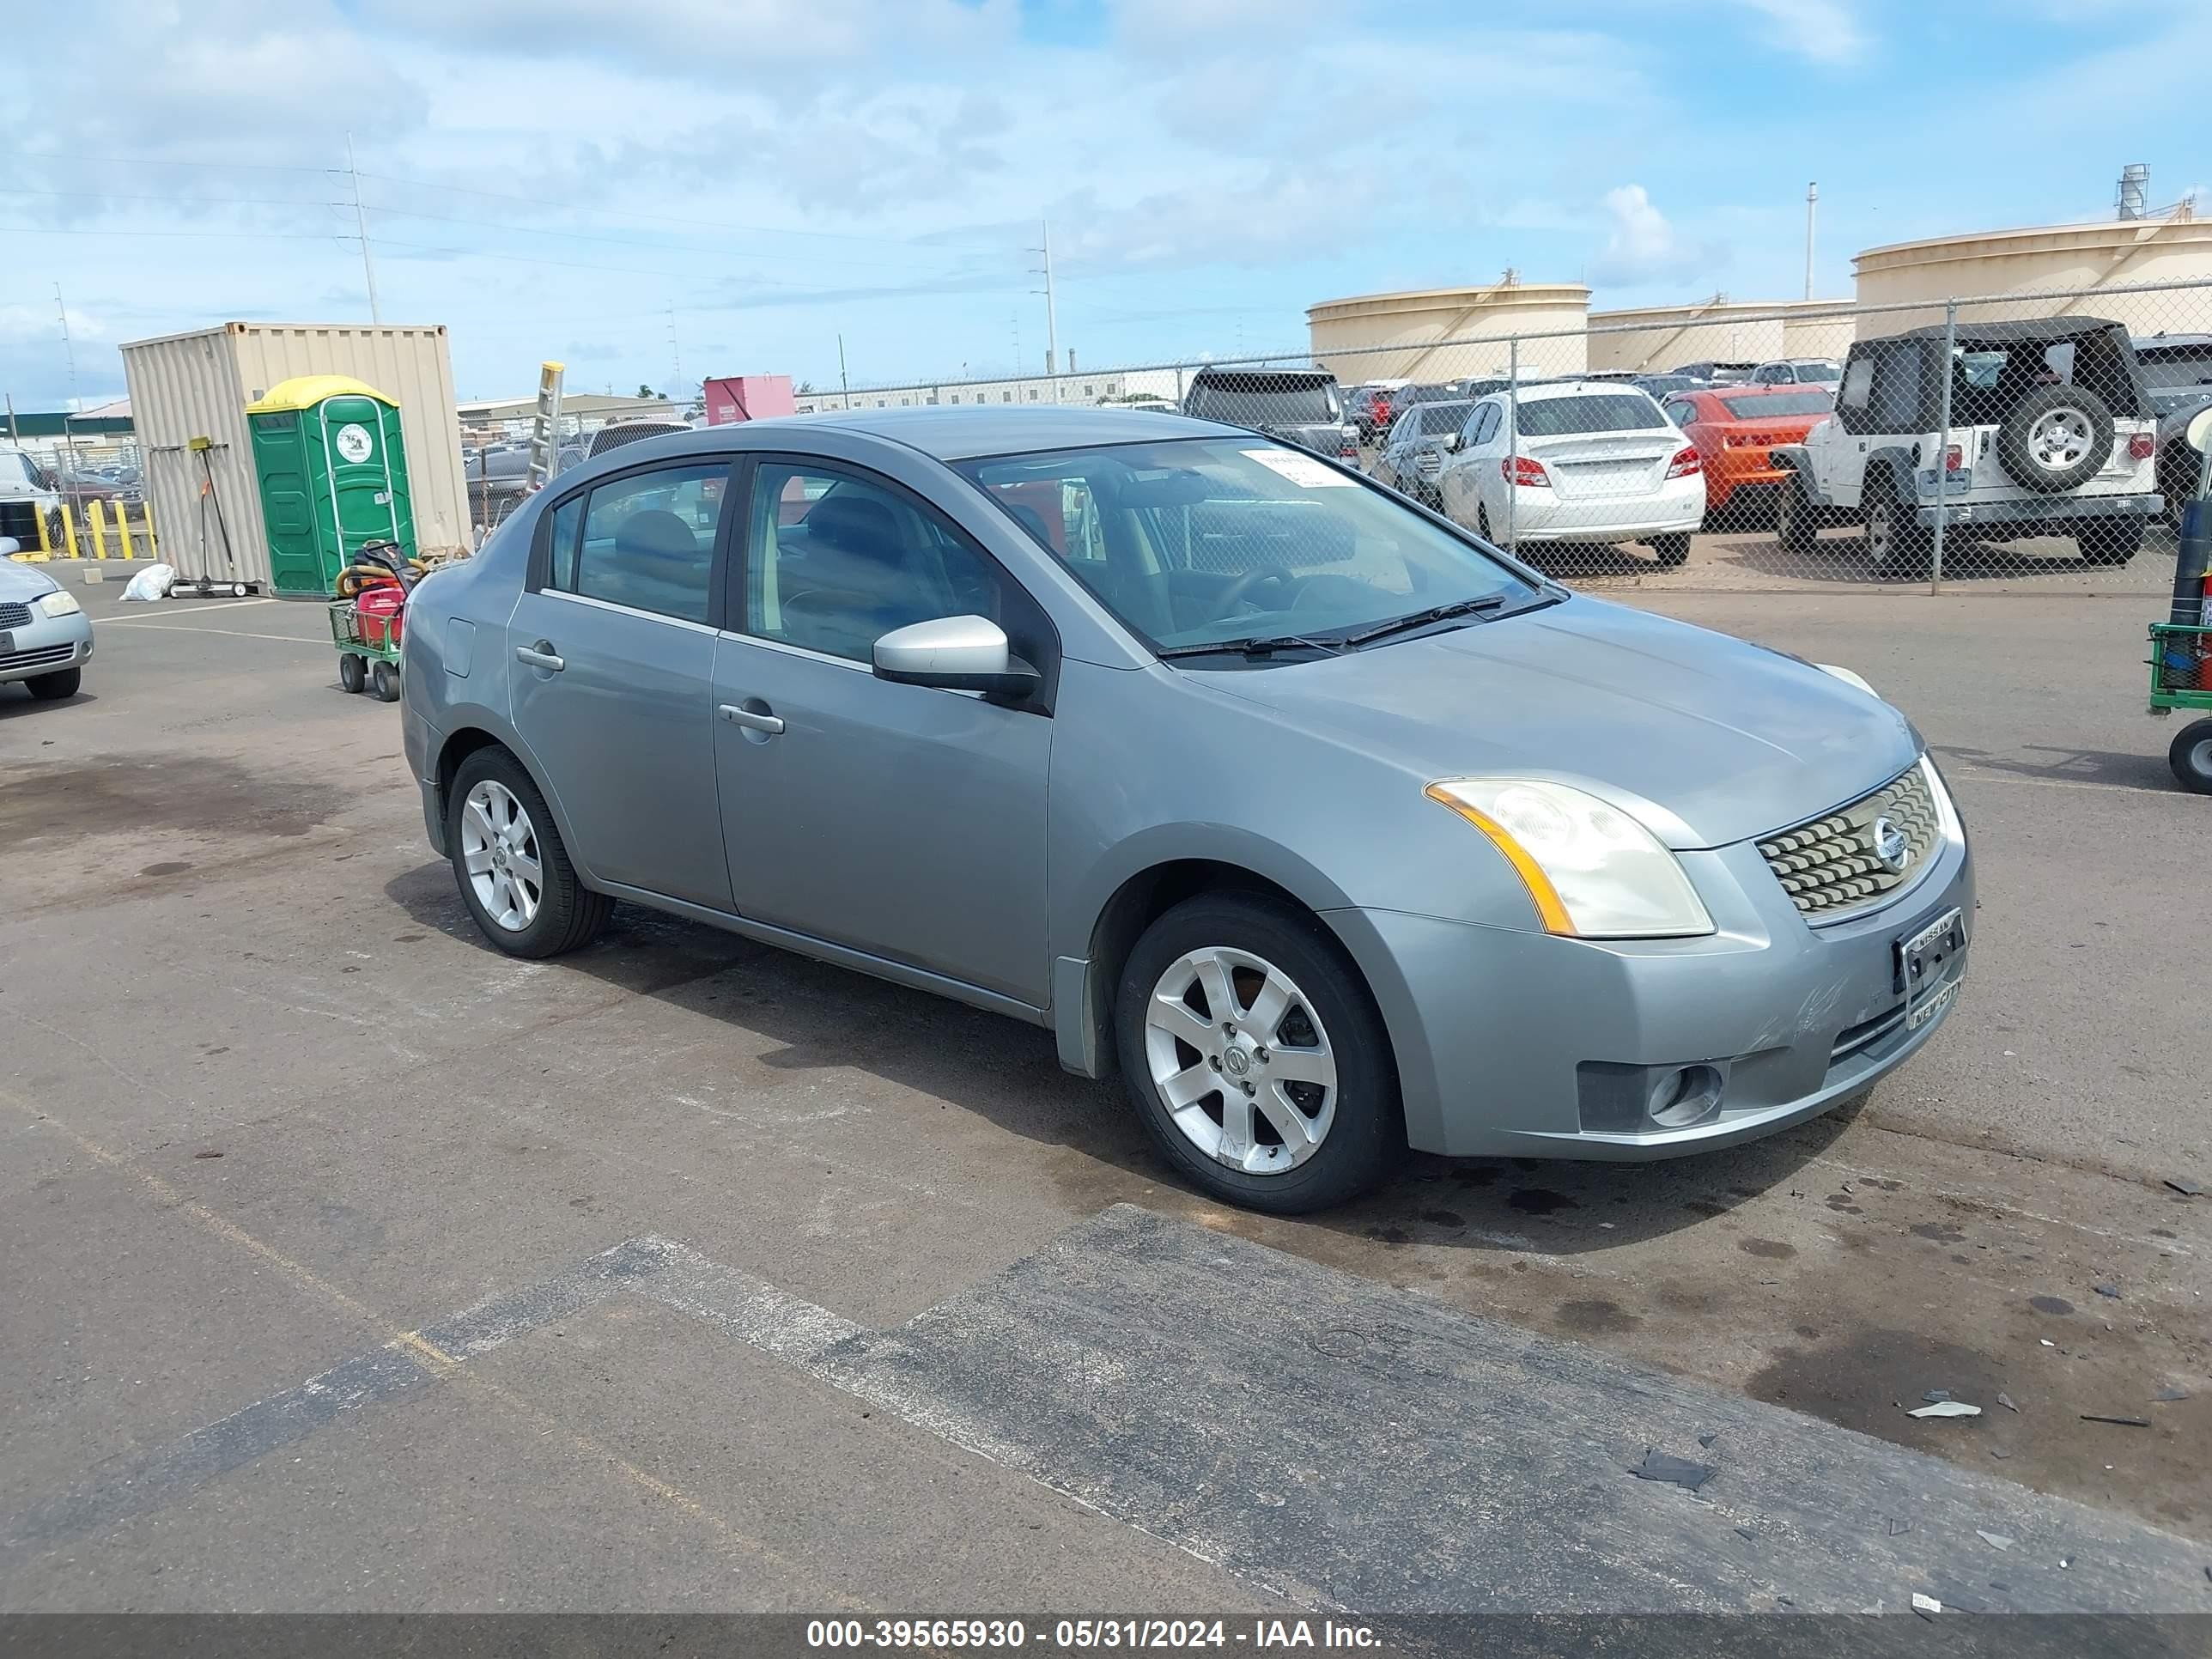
(227,604)
(226,633)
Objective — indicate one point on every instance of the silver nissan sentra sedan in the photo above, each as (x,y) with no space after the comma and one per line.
(1330,827)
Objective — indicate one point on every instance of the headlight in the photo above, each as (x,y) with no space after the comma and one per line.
(1847,677)
(59,602)
(1591,870)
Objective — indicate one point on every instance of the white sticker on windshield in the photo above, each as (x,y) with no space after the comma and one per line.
(1303,471)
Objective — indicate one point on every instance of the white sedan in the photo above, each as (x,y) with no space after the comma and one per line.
(1587,461)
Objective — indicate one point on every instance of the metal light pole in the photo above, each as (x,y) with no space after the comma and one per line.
(1812,212)
(361,227)
(1943,457)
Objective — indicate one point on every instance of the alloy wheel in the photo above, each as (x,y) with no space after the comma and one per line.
(1240,1061)
(500,851)
(2059,438)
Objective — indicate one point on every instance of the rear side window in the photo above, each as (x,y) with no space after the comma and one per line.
(647,540)
(1895,403)
(1592,411)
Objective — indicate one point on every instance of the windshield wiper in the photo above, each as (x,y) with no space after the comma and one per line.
(1435,613)
(1266,646)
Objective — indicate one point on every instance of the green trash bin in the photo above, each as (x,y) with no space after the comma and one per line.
(332,472)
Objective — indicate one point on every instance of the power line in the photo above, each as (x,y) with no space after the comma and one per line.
(257,236)
(75,159)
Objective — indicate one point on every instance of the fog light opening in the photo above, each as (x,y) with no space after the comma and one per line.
(1685,1096)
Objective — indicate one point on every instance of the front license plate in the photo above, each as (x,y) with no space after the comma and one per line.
(1929,963)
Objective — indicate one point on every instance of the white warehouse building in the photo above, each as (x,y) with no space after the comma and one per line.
(1088,386)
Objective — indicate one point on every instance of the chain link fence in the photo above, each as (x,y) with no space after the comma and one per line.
(1985,443)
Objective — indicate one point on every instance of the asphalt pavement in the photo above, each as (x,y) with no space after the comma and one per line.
(356,1265)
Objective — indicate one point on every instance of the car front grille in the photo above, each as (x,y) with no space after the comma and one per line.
(1830,867)
(43,655)
(14,615)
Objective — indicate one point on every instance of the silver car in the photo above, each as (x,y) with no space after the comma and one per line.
(45,638)
(1328,827)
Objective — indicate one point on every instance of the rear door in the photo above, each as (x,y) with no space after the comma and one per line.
(611,691)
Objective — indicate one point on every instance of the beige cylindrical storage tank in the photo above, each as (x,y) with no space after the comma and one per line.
(197,386)
(1418,329)
(1653,339)
(2027,266)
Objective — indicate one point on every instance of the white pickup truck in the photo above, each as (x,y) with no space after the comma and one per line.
(26,498)
(2051,434)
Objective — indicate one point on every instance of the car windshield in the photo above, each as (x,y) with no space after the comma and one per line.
(1265,400)
(1587,411)
(1223,541)
(1774,405)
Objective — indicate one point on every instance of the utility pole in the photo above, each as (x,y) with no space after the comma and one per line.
(69,354)
(675,352)
(1051,313)
(843,379)
(1811,208)
(361,227)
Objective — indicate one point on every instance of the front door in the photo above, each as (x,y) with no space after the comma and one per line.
(901,820)
(612,688)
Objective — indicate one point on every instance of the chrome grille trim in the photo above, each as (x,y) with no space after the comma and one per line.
(41,657)
(1828,866)
(13,615)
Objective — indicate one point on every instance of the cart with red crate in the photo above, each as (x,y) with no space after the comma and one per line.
(368,618)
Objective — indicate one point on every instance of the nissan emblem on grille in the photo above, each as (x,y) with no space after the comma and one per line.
(1857,857)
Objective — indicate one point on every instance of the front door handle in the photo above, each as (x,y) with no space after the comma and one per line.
(539,655)
(753,719)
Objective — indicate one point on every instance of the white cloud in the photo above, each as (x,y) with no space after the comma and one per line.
(1641,245)
(1826,31)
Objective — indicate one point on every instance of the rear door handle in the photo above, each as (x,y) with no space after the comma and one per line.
(539,655)
(752,721)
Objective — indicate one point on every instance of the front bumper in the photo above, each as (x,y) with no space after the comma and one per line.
(46,645)
(1491,1026)
(2050,509)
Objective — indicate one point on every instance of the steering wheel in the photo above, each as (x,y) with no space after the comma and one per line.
(1243,587)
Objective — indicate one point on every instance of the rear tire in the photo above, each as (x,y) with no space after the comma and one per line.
(2112,541)
(386,680)
(52,688)
(1794,527)
(353,671)
(2191,757)
(1322,1013)
(1670,552)
(1898,549)
(565,914)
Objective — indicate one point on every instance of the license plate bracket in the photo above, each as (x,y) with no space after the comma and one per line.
(1930,961)
(7,642)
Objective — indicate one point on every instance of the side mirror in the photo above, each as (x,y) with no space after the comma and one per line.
(1451,440)
(9,544)
(954,653)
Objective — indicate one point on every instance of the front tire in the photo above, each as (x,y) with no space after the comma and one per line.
(514,874)
(2190,758)
(385,678)
(1255,1056)
(52,688)
(353,671)
(2112,542)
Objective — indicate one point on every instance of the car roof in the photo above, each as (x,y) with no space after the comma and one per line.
(1720,396)
(1532,390)
(2025,330)
(959,434)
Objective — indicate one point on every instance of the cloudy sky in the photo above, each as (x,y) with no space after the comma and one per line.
(730,185)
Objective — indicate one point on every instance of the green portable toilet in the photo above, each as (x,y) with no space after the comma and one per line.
(333,476)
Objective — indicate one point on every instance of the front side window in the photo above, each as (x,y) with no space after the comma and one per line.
(1486,425)
(1196,543)
(647,540)
(834,562)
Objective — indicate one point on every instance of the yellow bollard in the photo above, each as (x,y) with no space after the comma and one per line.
(96,520)
(68,530)
(123,527)
(153,547)
(46,538)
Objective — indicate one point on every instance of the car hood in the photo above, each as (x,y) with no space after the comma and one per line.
(22,584)
(1708,739)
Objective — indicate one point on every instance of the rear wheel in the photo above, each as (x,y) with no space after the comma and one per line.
(2111,541)
(516,876)
(1669,552)
(386,680)
(1896,546)
(2191,756)
(353,671)
(1795,527)
(1255,1058)
(52,688)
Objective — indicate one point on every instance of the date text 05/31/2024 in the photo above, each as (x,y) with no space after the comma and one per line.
(986,1635)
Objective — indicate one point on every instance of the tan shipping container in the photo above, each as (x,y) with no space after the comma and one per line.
(191,385)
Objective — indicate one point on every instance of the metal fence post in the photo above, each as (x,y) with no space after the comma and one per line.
(1512,442)
(1943,451)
